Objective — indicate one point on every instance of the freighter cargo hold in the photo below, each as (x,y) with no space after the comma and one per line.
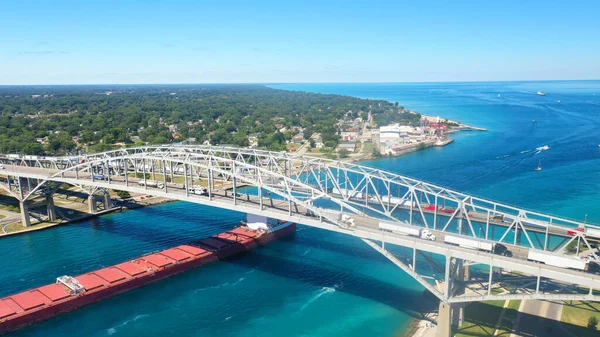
(70,293)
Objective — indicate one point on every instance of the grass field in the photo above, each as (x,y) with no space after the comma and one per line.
(576,314)
(481,319)
(368,148)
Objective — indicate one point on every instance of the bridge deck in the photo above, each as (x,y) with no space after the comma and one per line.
(366,227)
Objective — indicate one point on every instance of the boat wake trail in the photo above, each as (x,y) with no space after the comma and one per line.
(306,252)
(113,330)
(323,291)
(238,281)
(542,148)
(537,150)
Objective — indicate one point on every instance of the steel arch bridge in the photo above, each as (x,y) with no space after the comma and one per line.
(347,198)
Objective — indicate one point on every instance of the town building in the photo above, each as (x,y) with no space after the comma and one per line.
(349,146)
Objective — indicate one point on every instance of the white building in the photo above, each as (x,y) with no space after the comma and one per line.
(389,134)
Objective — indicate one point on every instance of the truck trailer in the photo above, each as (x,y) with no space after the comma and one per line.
(422,233)
(151,183)
(561,260)
(472,243)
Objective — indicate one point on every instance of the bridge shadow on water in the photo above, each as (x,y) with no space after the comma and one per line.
(323,274)
(159,236)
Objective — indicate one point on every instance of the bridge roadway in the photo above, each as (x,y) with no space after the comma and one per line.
(366,228)
(43,173)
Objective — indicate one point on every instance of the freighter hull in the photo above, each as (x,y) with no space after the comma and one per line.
(39,304)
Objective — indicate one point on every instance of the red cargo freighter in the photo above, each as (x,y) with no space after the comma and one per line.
(70,293)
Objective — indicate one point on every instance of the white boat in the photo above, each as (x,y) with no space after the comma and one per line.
(542,148)
(541,93)
(539,168)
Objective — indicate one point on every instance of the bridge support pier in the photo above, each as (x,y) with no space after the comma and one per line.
(92,204)
(444,326)
(449,314)
(50,208)
(25,218)
(106,201)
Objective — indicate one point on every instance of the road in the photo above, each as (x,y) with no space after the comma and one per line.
(367,228)
(540,319)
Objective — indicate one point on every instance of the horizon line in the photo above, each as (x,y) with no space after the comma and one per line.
(300,82)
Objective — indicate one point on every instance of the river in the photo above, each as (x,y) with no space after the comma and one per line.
(318,283)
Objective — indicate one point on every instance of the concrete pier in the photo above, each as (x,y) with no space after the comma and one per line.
(444,326)
(92,204)
(106,201)
(25,218)
(50,208)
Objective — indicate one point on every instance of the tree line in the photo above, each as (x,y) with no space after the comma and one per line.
(56,120)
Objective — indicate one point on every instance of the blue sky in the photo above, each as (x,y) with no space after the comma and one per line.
(79,41)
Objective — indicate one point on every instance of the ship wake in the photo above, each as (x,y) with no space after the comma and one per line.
(322,292)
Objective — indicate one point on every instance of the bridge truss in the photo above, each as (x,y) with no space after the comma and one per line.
(326,194)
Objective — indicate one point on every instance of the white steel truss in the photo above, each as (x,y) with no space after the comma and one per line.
(320,192)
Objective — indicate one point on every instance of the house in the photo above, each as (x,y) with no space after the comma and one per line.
(349,146)
(253,139)
(348,136)
(298,139)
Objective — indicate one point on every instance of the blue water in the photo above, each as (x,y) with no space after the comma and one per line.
(500,163)
(318,283)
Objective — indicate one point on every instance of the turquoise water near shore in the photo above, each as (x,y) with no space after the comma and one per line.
(500,163)
(318,283)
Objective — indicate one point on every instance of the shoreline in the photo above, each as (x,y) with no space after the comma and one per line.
(120,209)
(410,148)
(423,327)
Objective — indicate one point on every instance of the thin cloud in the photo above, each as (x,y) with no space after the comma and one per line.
(42,42)
(44,52)
(168,45)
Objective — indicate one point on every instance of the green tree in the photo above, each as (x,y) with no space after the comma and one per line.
(375,153)
(344,153)
(123,194)
(592,322)
(330,144)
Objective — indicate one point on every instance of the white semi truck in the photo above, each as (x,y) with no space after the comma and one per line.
(593,232)
(562,261)
(472,243)
(422,233)
(347,220)
(151,183)
(198,190)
